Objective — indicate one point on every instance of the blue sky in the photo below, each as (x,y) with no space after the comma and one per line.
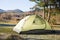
(23,5)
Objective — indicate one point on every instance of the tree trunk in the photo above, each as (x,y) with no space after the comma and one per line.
(47,11)
(49,15)
(44,12)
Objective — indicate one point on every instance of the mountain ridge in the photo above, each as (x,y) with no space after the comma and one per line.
(16,11)
(1,10)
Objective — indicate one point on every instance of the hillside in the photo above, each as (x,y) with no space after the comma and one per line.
(1,10)
(15,11)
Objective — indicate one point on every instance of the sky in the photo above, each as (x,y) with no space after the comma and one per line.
(23,5)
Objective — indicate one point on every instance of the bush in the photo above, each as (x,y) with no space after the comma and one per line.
(14,37)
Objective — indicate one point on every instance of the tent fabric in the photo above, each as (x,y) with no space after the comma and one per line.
(32,22)
(19,26)
(36,22)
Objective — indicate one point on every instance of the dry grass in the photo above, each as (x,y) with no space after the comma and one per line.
(31,37)
(6,30)
(9,32)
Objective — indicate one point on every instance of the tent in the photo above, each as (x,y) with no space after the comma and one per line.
(32,22)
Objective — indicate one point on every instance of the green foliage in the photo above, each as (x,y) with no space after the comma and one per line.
(41,4)
(32,0)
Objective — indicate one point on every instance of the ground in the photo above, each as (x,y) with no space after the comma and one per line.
(6,31)
(33,37)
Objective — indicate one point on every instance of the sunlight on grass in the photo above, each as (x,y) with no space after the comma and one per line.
(11,22)
(6,30)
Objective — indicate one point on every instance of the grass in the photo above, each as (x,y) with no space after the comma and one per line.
(6,30)
(9,30)
(8,22)
(56,27)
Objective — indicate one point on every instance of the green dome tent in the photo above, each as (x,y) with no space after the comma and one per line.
(32,22)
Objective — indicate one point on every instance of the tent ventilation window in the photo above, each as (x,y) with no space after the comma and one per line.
(33,21)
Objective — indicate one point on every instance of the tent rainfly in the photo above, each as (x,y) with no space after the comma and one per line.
(32,22)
